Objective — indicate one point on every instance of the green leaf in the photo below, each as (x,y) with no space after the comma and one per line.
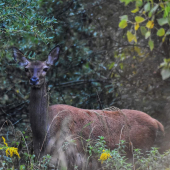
(135,10)
(162,21)
(139,3)
(161,32)
(123,24)
(147,7)
(111,65)
(151,44)
(153,10)
(143,30)
(139,19)
(124,17)
(165,73)
(126,1)
(166,10)
(147,34)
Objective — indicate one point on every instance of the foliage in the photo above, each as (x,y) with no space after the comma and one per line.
(149,15)
(110,159)
(10,151)
(15,151)
(116,159)
(21,24)
(27,164)
(153,159)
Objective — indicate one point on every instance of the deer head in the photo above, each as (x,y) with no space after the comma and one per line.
(36,70)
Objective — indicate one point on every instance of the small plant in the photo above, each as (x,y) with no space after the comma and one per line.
(153,160)
(104,156)
(114,159)
(45,162)
(10,151)
(109,159)
(7,159)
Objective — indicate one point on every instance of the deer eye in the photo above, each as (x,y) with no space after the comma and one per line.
(26,69)
(45,69)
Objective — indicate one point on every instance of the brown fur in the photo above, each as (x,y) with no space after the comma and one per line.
(137,127)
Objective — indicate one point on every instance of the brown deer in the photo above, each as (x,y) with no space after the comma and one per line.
(51,123)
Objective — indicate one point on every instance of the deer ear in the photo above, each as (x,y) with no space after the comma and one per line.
(53,55)
(19,57)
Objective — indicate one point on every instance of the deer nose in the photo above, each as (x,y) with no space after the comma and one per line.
(34,80)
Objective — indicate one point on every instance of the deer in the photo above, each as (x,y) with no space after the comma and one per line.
(51,123)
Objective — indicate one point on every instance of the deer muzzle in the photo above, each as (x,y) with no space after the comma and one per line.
(34,80)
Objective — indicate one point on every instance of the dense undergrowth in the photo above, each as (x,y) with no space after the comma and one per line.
(16,153)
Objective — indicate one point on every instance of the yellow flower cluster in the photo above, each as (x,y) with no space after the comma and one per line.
(10,151)
(104,156)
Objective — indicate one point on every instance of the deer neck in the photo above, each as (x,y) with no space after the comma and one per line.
(38,109)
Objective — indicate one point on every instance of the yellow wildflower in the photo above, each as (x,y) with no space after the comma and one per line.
(4,141)
(7,151)
(104,156)
(10,151)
